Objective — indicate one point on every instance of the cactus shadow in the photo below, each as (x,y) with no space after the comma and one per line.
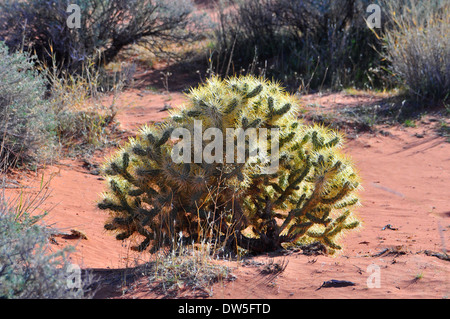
(110,283)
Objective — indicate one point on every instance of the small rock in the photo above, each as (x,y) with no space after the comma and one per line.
(389,226)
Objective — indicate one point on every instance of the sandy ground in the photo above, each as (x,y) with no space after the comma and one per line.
(405,212)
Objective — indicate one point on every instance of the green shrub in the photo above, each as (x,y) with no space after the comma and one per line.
(418,47)
(27,121)
(239,201)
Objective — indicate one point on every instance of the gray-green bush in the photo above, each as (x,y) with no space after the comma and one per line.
(106,26)
(29,269)
(27,122)
(418,46)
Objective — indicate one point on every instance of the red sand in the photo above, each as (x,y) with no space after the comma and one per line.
(405,182)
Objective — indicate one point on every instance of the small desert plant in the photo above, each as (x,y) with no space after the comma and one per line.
(29,268)
(187,266)
(306,198)
(82,118)
(27,120)
(106,26)
(418,46)
(409,123)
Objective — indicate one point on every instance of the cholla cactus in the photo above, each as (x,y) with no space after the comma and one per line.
(238,201)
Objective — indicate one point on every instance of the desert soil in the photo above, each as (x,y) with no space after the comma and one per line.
(405,212)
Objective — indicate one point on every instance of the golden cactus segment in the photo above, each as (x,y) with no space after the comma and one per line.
(307,198)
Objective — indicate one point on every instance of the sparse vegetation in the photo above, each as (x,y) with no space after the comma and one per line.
(197,216)
(82,120)
(29,267)
(186,267)
(44,111)
(418,47)
(106,27)
(316,45)
(306,44)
